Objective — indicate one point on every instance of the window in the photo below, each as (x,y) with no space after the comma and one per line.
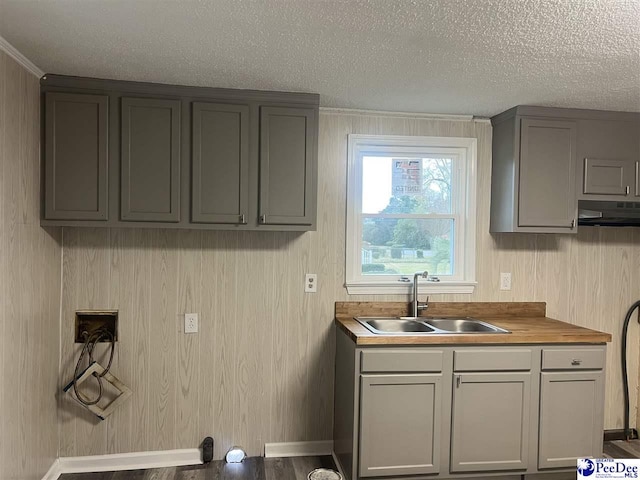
(410,208)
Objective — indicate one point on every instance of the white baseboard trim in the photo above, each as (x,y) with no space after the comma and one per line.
(298,449)
(128,461)
(54,472)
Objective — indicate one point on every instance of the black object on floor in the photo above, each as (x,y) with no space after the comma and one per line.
(207,450)
(625,381)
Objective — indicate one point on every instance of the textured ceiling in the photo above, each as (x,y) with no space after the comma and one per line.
(435,56)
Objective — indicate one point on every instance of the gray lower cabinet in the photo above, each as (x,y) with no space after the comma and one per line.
(466,411)
(220,163)
(150,160)
(570,417)
(76,156)
(400,418)
(287,169)
(571,405)
(490,421)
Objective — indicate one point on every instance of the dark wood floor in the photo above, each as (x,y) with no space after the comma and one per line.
(258,468)
(253,468)
(622,449)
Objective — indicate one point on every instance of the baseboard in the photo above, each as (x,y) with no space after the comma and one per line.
(128,461)
(54,472)
(298,449)
(618,434)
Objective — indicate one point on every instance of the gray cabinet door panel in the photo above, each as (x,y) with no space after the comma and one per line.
(76,152)
(609,176)
(547,174)
(287,165)
(150,160)
(220,175)
(400,419)
(490,422)
(571,417)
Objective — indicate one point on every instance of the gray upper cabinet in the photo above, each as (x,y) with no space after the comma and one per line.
(150,160)
(609,152)
(220,166)
(76,156)
(400,417)
(287,166)
(128,154)
(546,159)
(547,174)
(609,177)
(533,175)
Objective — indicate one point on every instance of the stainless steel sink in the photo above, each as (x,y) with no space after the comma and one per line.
(426,326)
(463,325)
(395,326)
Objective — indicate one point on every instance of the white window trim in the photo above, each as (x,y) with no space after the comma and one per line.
(467,149)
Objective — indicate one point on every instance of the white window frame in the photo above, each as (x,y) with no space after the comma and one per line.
(464,150)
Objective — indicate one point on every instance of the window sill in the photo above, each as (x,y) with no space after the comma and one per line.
(401,288)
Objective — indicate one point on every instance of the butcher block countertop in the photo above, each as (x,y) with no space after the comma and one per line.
(527,323)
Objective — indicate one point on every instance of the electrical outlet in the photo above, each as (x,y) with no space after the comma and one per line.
(505,281)
(190,323)
(311,283)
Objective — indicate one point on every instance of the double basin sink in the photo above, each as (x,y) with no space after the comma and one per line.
(427,326)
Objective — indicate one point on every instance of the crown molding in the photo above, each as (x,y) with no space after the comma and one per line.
(13,52)
(385,113)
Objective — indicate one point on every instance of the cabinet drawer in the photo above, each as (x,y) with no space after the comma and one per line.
(573,359)
(491,360)
(401,361)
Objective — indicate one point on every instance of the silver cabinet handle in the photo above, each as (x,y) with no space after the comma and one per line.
(627,190)
(575,362)
(573,224)
(458,381)
(263,218)
(243,221)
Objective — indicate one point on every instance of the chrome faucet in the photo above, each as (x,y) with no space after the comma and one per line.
(416,306)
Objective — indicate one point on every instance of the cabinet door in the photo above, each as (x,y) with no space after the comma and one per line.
(399,424)
(490,421)
(220,173)
(571,417)
(150,160)
(287,166)
(609,177)
(76,131)
(547,174)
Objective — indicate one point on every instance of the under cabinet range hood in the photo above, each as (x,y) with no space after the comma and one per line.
(609,214)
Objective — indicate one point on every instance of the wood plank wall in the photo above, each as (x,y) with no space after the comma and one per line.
(29,287)
(261,368)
